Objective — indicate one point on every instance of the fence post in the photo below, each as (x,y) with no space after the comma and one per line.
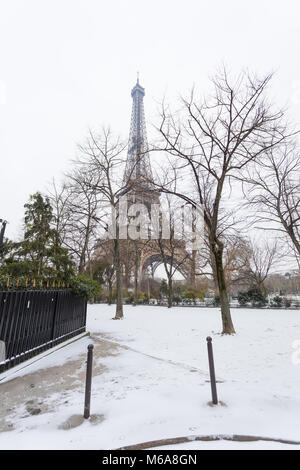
(212,371)
(88,382)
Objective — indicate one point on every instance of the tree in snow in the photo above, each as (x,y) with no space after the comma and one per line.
(210,142)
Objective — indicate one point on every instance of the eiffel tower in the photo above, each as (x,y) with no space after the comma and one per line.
(138,177)
(139,256)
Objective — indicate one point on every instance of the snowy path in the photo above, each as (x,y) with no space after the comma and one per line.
(102,339)
(150,382)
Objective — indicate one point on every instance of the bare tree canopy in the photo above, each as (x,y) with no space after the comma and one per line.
(212,141)
(102,156)
(275,192)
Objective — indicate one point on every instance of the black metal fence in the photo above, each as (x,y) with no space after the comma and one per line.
(34,320)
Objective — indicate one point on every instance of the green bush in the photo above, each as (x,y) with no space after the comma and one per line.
(84,286)
(176,299)
(189,296)
(277,301)
(253,295)
(243,298)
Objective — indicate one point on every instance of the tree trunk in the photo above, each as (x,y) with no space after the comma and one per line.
(148,288)
(214,271)
(193,269)
(136,271)
(127,274)
(293,237)
(228,328)
(119,300)
(81,264)
(109,292)
(170,292)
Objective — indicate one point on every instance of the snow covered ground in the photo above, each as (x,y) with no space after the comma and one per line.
(151,382)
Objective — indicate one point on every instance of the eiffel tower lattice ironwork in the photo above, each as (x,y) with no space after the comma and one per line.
(138,174)
(140,257)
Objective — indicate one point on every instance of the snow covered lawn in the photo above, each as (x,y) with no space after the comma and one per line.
(153,382)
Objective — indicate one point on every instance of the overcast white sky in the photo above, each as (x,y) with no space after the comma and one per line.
(66,65)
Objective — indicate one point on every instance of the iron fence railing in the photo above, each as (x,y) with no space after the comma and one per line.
(34,320)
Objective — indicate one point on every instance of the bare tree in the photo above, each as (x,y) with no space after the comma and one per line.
(60,196)
(237,255)
(259,258)
(102,154)
(263,258)
(84,212)
(172,249)
(76,210)
(215,140)
(275,193)
(102,265)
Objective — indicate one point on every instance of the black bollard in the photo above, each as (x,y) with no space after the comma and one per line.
(88,382)
(212,371)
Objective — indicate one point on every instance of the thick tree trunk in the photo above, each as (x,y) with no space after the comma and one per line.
(228,327)
(119,300)
(170,292)
(127,275)
(193,270)
(214,271)
(293,237)
(109,292)
(148,289)
(136,276)
(84,249)
(81,264)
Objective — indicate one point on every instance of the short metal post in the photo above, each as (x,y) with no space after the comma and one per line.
(88,383)
(212,371)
